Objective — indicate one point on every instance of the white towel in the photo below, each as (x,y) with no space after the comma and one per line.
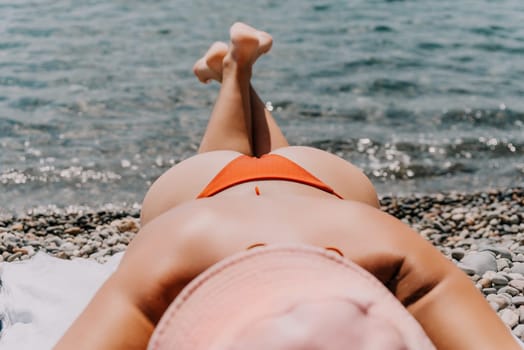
(41,297)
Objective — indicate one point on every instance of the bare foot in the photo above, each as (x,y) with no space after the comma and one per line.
(247,45)
(209,67)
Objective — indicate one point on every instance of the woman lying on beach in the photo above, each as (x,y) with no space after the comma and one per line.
(247,188)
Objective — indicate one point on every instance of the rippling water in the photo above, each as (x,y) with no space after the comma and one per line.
(97,98)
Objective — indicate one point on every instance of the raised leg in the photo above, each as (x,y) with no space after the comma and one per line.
(230,125)
(266,135)
(229,131)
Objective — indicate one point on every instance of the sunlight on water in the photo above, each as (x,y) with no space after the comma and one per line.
(98,99)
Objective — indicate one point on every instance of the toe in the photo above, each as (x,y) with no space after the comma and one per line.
(218,47)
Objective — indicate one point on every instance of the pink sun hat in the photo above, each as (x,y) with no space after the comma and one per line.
(287,297)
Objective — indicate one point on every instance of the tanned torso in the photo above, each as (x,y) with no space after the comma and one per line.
(186,240)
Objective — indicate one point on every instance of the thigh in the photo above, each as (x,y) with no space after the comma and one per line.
(345,178)
(183,182)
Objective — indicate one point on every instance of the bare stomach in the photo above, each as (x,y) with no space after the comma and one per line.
(201,232)
(174,248)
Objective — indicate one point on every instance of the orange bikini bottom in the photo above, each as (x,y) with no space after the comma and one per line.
(268,167)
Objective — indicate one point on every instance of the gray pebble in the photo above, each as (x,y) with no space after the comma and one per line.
(509,317)
(494,222)
(68,247)
(506,296)
(480,262)
(13,257)
(518,268)
(457,217)
(87,250)
(112,241)
(519,258)
(499,280)
(519,331)
(503,252)
(99,254)
(489,275)
(514,219)
(466,269)
(521,314)
(501,301)
(505,275)
(489,290)
(509,290)
(518,300)
(519,249)
(517,284)
(502,264)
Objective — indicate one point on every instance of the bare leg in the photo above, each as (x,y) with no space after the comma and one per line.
(230,126)
(266,135)
(229,132)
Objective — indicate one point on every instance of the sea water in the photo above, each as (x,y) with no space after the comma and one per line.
(97,98)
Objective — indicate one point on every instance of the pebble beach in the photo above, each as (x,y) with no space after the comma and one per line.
(480,232)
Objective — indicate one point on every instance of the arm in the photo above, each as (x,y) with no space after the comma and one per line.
(110,321)
(124,312)
(453,313)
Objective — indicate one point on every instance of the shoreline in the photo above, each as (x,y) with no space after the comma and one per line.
(481,232)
